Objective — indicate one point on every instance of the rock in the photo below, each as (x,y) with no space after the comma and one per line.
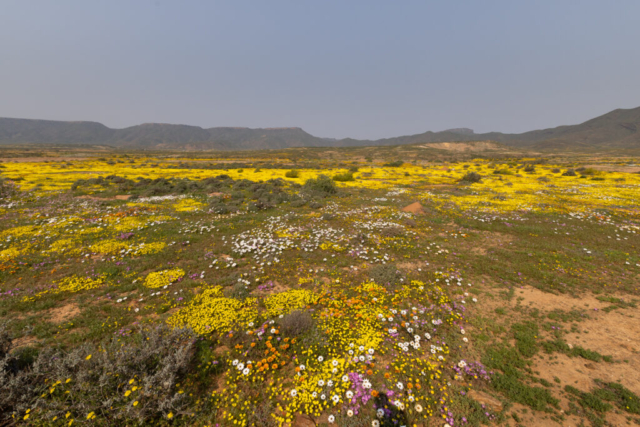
(303,421)
(221,350)
(415,208)
(485,399)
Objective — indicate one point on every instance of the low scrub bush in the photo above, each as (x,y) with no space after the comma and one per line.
(387,275)
(471,177)
(344,177)
(322,186)
(395,164)
(119,381)
(296,323)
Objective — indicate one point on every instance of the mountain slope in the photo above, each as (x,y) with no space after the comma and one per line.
(15,131)
(617,129)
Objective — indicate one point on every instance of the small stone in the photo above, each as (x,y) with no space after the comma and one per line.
(485,399)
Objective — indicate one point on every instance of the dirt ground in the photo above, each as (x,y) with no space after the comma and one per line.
(615,333)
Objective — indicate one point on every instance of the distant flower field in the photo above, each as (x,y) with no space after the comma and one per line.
(158,290)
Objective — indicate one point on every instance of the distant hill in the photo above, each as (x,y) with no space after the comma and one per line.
(154,136)
(616,129)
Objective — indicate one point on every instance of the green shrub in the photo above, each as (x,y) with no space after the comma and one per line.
(392,231)
(344,177)
(395,164)
(537,398)
(589,400)
(386,275)
(471,177)
(292,174)
(322,186)
(525,334)
(624,398)
(502,172)
(296,323)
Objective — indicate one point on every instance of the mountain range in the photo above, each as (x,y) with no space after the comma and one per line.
(616,129)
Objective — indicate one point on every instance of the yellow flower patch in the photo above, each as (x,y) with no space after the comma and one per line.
(149,248)
(23,231)
(67,246)
(286,302)
(210,312)
(188,205)
(10,253)
(71,284)
(162,278)
(108,247)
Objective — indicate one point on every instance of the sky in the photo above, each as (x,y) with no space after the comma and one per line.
(362,69)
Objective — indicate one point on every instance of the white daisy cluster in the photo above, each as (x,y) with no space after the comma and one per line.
(154,199)
(198,227)
(396,192)
(360,354)
(242,367)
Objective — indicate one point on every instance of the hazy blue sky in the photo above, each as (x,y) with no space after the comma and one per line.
(365,69)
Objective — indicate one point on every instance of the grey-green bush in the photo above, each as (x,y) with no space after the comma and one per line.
(156,359)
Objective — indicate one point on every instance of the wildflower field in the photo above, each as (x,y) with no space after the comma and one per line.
(317,289)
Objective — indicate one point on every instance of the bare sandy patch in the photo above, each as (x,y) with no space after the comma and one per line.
(490,240)
(23,342)
(547,301)
(64,313)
